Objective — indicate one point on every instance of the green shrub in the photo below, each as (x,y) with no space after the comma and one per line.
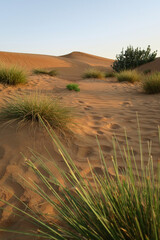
(129,76)
(151,83)
(44,71)
(132,58)
(93,73)
(115,208)
(27,110)
(109,74)
(73,86)
(12,75)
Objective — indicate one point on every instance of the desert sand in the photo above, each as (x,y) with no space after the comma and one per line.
(103,108)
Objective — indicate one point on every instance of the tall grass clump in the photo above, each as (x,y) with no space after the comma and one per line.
(131,76)
(93,73)
(151,83)
(110,74)
(27,110)
(45,72)
(12,75)
(108,207)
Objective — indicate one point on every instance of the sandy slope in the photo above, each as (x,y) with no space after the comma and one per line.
(104,107)
(153,66)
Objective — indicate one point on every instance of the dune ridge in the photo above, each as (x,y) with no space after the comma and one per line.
(153,66)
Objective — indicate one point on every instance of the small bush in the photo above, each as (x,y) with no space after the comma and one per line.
(12,75)
(27,110)
(151,83)
(109,74)
(47,72)
(73,86)
(129,76)
(132,58)
(93,73)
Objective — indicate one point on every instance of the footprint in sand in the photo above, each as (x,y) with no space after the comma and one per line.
(106,148)
(93,113)
(107,116)
(88,108)
(85,151)
(100,132)
(126,103)
(97,117)
(115,126)
(97,123)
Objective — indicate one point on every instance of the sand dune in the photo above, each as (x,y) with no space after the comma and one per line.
(89,59)
(69,66)
(30,61)
(153,66)
(104,107)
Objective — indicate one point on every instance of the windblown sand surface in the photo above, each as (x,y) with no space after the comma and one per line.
(104,107)
(152,66)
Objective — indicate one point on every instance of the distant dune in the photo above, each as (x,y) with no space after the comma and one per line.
(69,66)
(153,66)
(30,61)
(89,59)
(72,64)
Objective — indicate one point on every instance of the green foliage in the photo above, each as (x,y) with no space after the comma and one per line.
(151,83)
(114,208)
(12,75)
(47,72)
(73,86)
(109,74)
(132,58)
(27,110)
(129,76)
(93,73)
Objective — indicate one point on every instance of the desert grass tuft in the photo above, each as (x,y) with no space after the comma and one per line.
(73,86)
(131,76)
(12,75)
(45,72)
(151,83)
(114,208)
(93,73)
(110,74)
(28,108)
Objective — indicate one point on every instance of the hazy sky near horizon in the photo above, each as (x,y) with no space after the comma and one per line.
(100,27)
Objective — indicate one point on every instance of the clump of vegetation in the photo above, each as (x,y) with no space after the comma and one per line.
(114,208)
(27,110)
(151,83)
(129,76)
(132,58)
(73,86)
(46,72)
(12,75)
(109,74)
(93,73)
(147,71)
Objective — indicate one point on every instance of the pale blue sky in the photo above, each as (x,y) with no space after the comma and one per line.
(100,27)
